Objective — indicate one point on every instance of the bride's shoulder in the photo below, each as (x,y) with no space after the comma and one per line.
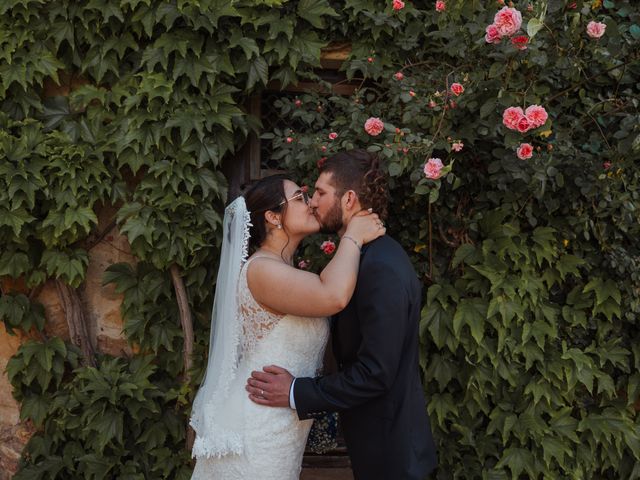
(261,268)
(258,262)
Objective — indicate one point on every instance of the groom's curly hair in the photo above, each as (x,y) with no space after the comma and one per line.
(360,171)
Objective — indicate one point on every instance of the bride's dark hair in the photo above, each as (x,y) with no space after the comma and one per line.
(264,195)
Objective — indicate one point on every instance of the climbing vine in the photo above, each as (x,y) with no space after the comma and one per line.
(512,141)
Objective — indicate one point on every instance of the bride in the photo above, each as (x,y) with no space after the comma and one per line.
(267,312)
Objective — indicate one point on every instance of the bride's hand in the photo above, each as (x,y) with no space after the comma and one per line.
(365,227)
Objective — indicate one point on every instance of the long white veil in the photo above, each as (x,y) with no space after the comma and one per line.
(215,417)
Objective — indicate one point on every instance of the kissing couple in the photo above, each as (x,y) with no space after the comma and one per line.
(271,322)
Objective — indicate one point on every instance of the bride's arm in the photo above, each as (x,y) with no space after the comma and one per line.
(284,289)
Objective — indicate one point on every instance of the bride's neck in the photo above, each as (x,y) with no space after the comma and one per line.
(280,247)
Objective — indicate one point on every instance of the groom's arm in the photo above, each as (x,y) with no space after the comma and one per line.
(382,304)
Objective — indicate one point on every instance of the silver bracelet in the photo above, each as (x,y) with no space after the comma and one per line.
(353,240)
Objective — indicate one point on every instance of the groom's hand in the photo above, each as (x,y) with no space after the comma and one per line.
(270,387)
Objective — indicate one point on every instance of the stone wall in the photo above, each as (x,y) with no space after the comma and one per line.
(102,309)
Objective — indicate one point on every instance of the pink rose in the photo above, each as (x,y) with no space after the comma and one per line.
(523,125)
(398,76)
(303,264)
(440,6)
(412,93)
(512,116)
(289,139)
(525,151)
(606,165)
(492,35)
(457,89)
(457,146)
(374,126)
(536,115)
(520,42)
(432,104)
(333,136)
(595,29)
(433,168)
(298,103)
(508,21)
(328,247)
(398,5)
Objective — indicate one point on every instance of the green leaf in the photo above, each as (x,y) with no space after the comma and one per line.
(471,312)
(569,264)
(395,169)
(555,448)
(188,121)
(83,216)
(248,45)
(258,70)
(533,27)
(35,408)
(518,460)
(438,322)
(96,465)
(122,274)
(15,219)
(56,109)
(463,252)
(221,8)
(603,290)
(488,107)
(563,423)
(313,10)
(135,227)
(443,406)
(14,264)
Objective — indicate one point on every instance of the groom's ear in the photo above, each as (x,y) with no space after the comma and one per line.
(350,201)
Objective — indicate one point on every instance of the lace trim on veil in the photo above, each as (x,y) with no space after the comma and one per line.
(246,235)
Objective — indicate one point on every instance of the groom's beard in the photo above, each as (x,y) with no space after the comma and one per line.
(332,221)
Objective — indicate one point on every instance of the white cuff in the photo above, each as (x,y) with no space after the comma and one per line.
(292,401)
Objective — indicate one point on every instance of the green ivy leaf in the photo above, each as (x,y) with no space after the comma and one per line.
(34,408)
(15,219)
(471,312)
(258,70)
(313,10)
(518,460)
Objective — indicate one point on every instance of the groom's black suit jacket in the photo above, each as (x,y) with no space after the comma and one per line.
(377,389)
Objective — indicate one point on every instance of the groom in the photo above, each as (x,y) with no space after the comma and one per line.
(377,390)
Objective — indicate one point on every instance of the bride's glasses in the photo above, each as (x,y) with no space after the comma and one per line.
(301,194)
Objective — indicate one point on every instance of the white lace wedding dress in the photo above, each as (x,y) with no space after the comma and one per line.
(274,438)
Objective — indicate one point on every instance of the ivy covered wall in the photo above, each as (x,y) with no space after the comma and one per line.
(122,113)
